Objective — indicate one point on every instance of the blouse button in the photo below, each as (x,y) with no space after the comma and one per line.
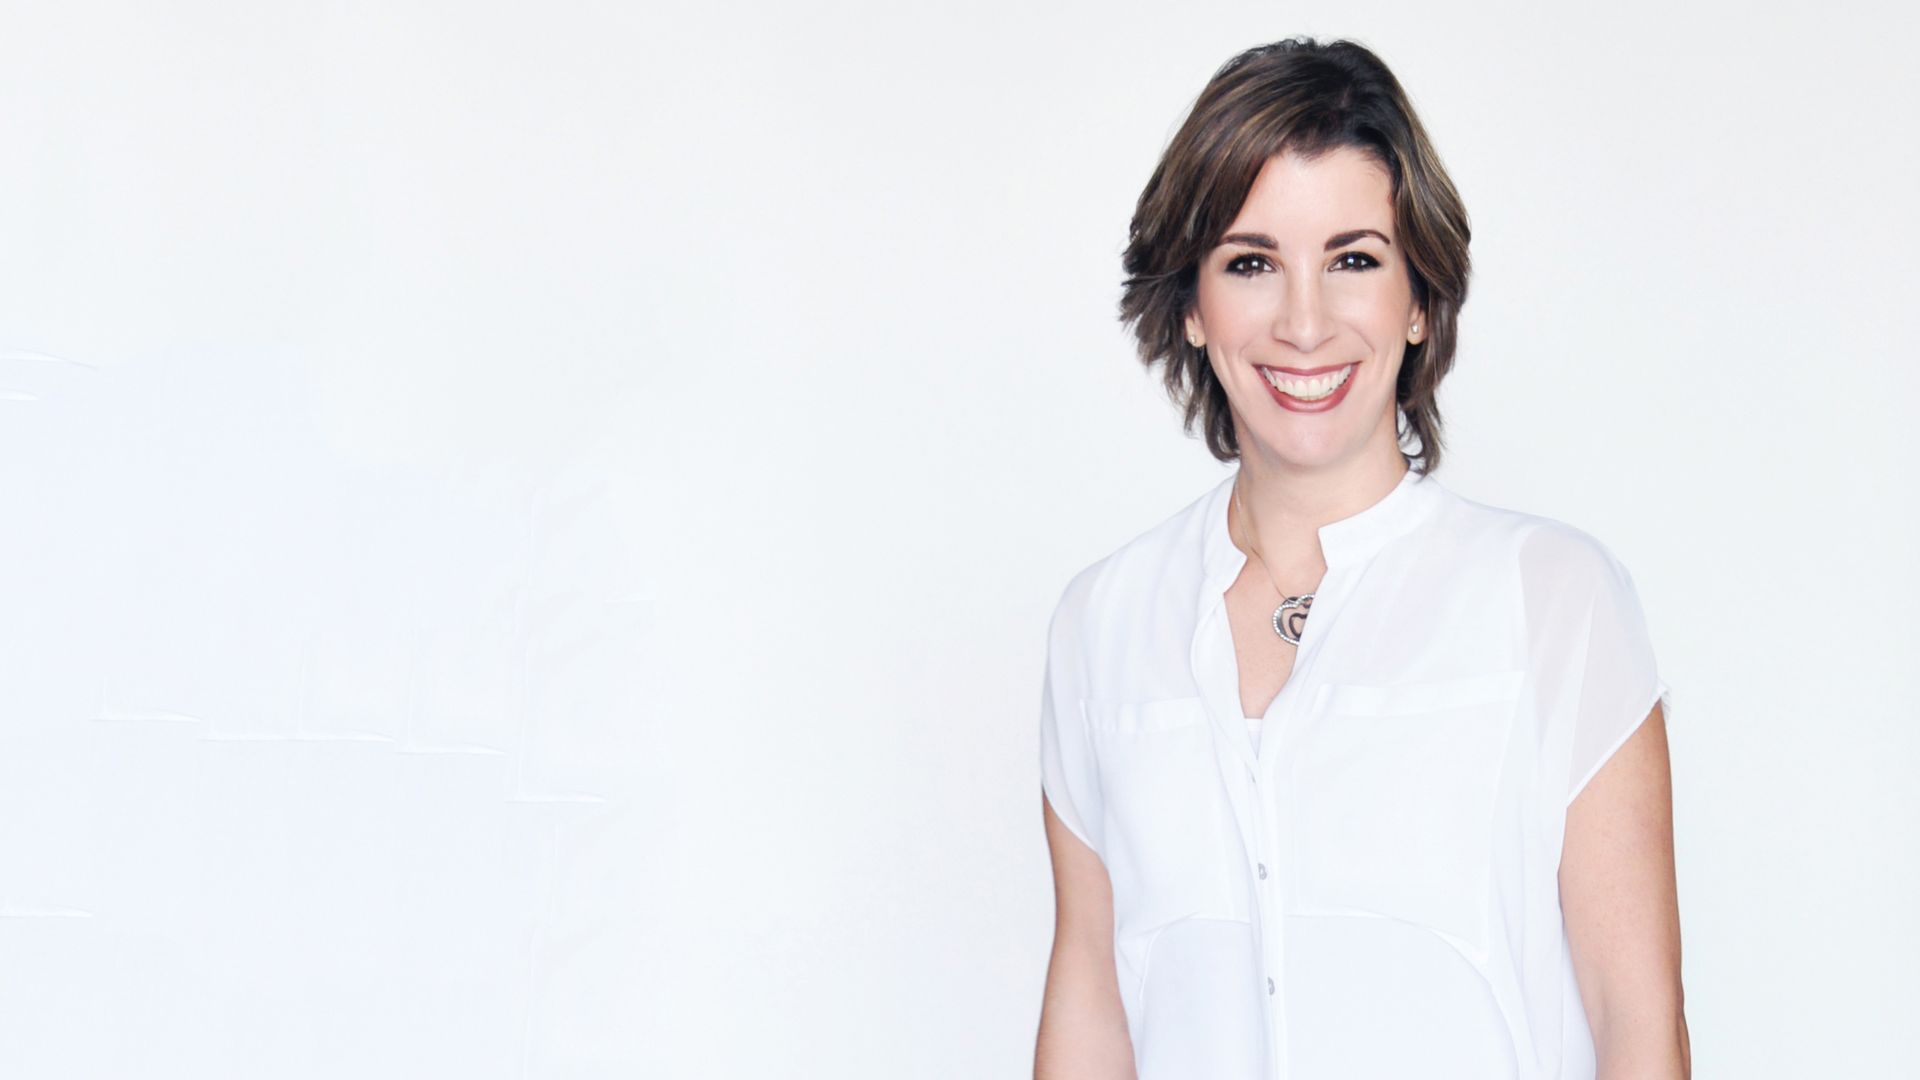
(1263,871)
(1269,984)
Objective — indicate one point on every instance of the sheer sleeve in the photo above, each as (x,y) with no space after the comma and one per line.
(1592,660)
(1068,775)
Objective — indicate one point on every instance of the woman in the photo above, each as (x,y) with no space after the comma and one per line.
(1345,775)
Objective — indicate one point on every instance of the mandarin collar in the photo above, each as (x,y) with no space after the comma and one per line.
(1350,540)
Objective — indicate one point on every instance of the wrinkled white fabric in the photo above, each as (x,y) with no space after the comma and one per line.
(1364,882)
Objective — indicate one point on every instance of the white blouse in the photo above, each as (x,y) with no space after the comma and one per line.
(1368,887)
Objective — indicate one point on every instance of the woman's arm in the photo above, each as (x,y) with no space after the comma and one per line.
(1083,1026)
(1620,903)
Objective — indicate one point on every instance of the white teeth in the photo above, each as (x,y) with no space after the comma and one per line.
(1308,389)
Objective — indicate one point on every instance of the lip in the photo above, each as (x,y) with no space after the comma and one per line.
(1323,404)
(1306,372)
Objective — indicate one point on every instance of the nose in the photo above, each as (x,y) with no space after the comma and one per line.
(1301,320)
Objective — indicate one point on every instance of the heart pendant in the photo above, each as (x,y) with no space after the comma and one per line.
(1290,618)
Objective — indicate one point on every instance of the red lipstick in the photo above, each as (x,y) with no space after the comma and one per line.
(1294,404)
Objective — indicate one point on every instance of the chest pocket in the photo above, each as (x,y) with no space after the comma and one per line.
(1394,791)
(1172,844)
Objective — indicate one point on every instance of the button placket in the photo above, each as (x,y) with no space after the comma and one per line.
(1273,818)
(1273,945)
(1271,928)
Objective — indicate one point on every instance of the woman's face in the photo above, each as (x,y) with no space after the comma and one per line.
(1310,286)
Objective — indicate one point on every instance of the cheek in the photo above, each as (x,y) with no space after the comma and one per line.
(1221,373)
(1231,314)
(1372,302)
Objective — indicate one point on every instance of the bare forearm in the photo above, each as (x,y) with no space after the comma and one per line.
(1083,1032)
(1644,1049)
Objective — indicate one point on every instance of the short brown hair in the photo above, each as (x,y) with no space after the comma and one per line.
(1301,96)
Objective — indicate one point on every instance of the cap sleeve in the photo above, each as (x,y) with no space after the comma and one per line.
(1068,775)
(1591,657)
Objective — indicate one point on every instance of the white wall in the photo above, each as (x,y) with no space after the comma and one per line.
(527,529)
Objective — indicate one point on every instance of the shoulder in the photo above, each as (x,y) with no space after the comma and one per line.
(1164,558)
(1537,545)
(1564,583)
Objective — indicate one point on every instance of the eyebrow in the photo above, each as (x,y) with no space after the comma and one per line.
(1262,240)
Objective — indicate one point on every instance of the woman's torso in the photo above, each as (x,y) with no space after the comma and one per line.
(1336,859)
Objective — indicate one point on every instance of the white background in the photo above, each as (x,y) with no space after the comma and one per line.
(526,531)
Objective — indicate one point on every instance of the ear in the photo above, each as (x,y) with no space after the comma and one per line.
(1418,320)
(1192,331)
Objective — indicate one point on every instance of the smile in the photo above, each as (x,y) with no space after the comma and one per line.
(1309,387)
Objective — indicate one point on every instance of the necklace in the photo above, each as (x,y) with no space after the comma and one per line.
(1291,615)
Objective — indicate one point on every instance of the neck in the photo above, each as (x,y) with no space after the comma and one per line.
(1284,506)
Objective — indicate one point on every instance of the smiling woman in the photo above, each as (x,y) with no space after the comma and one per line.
(1351,285)
(1344,775)
(1238,199)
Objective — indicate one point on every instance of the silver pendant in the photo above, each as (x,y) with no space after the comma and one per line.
(1296,621)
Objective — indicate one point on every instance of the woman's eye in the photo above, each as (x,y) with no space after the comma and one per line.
(1250,264)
